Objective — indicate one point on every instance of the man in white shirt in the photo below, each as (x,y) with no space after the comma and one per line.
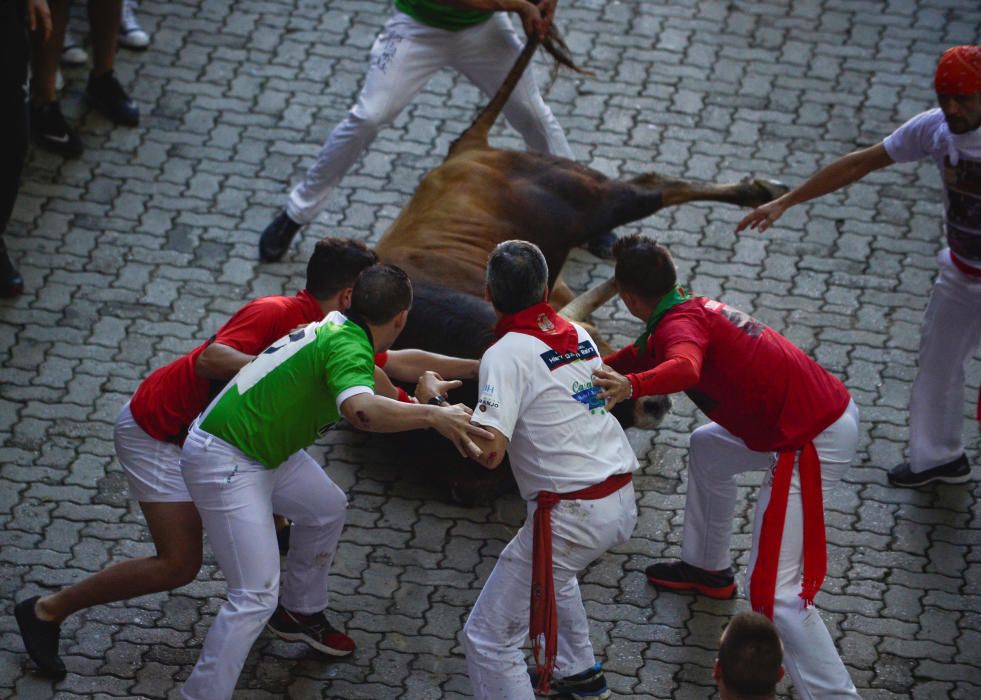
(538,400)
(951,330)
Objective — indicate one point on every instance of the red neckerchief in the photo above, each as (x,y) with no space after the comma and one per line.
(543,624)
(763,582)
(542,322)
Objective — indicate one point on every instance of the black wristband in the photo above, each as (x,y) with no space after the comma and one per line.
(437,400)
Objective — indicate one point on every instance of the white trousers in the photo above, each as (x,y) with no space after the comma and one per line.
(498,624)
(152,467)
(404,57)
(949,337)
(236,498)
(716,457)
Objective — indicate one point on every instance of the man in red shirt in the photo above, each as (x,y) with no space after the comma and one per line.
(768,403)
(151,428)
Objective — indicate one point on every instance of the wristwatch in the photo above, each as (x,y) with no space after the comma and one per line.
(437,400)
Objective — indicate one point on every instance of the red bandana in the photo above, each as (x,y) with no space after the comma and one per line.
(763,582)
(959,71)
(542,322)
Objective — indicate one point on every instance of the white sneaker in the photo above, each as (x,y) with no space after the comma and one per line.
(72,53)
(131,34)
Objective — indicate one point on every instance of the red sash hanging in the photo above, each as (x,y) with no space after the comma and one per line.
(763,582)
(543,625)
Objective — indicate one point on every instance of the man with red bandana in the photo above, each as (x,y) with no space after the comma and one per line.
(951,330)
(771,408)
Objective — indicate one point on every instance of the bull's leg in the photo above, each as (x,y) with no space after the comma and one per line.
(748,192)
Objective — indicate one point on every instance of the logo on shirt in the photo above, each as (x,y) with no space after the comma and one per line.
(586,394)
(554,359)
(545,323)
(486,403)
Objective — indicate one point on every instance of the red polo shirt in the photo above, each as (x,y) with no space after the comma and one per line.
(169,400)
(753,381)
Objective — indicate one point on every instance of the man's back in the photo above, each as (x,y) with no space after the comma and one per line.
(561,436)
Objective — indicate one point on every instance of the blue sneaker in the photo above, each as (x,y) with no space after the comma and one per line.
(591,683)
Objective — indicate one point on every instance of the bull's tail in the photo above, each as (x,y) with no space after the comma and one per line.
(476,134)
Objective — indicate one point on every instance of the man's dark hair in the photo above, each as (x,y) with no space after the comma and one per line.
(644,267)
(335,264)
(380,292)
(517,275)
(750,655)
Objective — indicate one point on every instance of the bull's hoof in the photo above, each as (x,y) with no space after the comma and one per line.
(602,246)
(276,239)
(761,190)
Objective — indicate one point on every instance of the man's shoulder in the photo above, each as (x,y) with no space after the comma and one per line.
(918,137)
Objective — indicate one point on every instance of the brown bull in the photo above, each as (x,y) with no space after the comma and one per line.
(480,196)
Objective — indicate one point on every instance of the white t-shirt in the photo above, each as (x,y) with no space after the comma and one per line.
(958,156)
(561,437)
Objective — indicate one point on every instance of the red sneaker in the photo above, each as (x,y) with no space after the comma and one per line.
(311,629)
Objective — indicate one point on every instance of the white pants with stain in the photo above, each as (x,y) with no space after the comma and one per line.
(498,624)
(405,55)
(949,338)
(236,497)
(716,456)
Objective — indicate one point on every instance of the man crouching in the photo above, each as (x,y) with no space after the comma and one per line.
(568,454)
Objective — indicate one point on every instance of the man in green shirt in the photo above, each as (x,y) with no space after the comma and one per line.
(474,38)
(243,460)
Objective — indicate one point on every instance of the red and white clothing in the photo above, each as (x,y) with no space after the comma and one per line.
(561,440)
(951,328)
(151,427)
(764,396)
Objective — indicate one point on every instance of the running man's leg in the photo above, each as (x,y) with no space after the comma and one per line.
(715,457)
(949,336)
(403,58)
(485,54)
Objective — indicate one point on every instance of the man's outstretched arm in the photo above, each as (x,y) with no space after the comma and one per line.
(842,172)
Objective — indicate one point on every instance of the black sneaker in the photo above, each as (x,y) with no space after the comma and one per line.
(275,240)
(679,576)
(40,639)
(602,247)
(11,283)
(107,95)
(956,472)
(49,128)
(591,683)
(311,629)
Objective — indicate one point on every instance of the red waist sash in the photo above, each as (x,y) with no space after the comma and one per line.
(763,582)
(543,625)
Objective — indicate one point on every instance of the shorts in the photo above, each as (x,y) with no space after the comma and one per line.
(153,467)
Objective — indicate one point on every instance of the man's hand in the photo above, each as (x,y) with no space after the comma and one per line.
(615,386)
(431,385)
(763,216)
(536,19)
(39,14)
(453,423)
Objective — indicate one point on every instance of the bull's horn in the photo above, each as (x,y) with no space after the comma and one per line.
(579,308)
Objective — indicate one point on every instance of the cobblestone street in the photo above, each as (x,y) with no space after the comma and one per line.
(137,251)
